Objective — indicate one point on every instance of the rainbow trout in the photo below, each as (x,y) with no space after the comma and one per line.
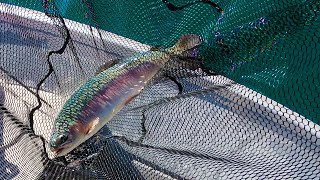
(95,103)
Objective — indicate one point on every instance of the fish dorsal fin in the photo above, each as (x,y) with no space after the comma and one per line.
(107,65)
(156,48)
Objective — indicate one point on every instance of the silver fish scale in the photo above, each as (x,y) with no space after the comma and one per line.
(86,93)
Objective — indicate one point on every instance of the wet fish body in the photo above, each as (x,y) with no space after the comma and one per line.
(102,96)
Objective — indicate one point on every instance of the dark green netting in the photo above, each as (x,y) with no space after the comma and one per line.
(247,109)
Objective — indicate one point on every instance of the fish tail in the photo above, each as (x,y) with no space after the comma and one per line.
(186,42)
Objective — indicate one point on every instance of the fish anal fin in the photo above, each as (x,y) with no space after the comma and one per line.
(92,124)
(130,99)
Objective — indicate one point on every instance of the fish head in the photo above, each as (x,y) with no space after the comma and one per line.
(65,140)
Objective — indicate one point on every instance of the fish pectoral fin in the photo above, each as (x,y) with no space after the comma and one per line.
(107,65)
(91,126)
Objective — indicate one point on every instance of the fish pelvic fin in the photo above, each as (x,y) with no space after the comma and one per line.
(186,42)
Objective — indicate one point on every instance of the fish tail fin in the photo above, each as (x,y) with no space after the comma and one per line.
(186,42)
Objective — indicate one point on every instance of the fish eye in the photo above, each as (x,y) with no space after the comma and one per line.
(61,139)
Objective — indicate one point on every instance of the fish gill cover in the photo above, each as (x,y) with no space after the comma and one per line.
(244,104)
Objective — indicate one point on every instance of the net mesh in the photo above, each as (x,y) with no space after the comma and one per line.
(246,107)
